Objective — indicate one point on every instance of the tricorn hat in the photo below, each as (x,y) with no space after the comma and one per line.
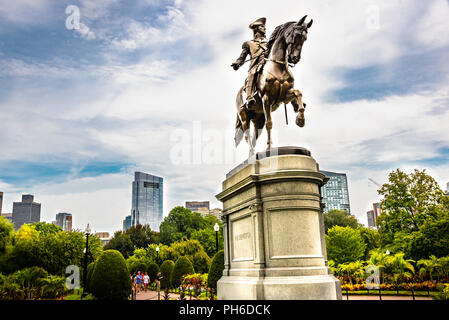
(258,22)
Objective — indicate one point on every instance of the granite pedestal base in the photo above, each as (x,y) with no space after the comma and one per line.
(274,230)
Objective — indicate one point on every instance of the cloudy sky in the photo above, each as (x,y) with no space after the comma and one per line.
(147,85)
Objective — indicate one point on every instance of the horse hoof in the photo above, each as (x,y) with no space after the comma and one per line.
(300,122)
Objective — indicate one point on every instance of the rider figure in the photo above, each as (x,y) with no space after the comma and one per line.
(256,49)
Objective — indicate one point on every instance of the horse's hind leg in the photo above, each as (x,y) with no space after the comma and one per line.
(258,123)
(269,122)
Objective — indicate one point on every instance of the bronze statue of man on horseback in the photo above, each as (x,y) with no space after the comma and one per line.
(270,81)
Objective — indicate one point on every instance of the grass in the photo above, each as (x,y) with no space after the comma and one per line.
(389,293)
(77,295)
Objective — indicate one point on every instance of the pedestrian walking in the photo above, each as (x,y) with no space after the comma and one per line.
(158,285)
(146,280)
(138,280)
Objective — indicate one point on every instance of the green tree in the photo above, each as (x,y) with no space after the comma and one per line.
(121,242)
(207,238)
(90,270)
(216,270)
(428,267)
(371,238)
(29,280)
(6,234)
(139,261)
(179,224)
(140,235)
(153,269)
(402,269)
(432,238)
(166,271)
(344,244)
(408,201)
(339,218)
(25,251)
(182,267)
(46,228)
(201,262)
(110,277)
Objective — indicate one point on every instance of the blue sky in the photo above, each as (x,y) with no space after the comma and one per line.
(81,110)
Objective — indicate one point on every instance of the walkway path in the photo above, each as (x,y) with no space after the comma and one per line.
(152,295)
(357,297)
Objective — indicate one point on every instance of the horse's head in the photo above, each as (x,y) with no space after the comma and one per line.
(295,38)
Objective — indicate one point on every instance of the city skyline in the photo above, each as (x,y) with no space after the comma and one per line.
(131,90)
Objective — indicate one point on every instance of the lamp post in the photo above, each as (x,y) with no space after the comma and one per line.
(216,229)
(87,232)
(380,290)
(157,252)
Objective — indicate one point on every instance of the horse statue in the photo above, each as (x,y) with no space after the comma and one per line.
(275,84)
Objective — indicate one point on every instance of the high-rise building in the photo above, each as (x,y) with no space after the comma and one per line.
(64,220)
(1,202)
(447,189)
(147,196)
(371,219)
(372,215)
(335,192)
(26,211)
(201,207)
(127,223)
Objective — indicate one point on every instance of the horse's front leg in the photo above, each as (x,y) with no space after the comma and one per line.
(299,107)
(268,121)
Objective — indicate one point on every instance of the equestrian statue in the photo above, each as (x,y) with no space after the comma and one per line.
(270,81)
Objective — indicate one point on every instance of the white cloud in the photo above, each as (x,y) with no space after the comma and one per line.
(140,35)
(85,32)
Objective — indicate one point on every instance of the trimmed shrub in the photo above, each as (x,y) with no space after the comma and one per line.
(201,262)
(182,267)
(216,270)
(153,269)
(90,269)
(110,277)
(166,271)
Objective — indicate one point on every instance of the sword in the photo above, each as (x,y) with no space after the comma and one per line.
(285,109)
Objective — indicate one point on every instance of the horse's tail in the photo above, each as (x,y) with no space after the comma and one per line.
(238,124)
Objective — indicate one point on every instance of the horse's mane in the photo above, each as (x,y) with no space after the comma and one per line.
(278,31)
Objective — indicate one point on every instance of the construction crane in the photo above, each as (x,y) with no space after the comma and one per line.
(376,183)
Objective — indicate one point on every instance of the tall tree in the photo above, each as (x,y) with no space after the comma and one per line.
(344,244)
(416,215)
(409,200)
(179,224)
(339,218)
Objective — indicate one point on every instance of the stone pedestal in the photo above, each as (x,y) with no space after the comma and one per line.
(273,230)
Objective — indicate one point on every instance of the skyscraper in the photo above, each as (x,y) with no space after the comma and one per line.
(64,220)
(335,193)
(447,189)
(372,215)
(1,202)
(127,223)
(147,195)
(26,211)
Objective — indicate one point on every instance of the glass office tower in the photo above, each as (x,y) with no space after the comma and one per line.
(335,193)
(147,195)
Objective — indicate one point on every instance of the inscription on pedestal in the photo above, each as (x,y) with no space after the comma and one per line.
(242,244)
